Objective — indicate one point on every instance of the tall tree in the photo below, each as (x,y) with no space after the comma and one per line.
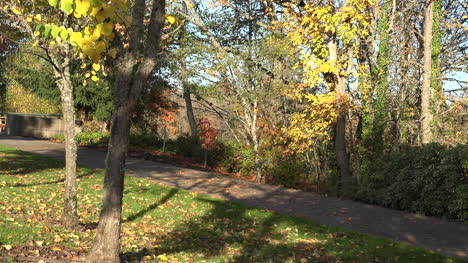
(329,32)
(133,68)
(243,66)
(426,114)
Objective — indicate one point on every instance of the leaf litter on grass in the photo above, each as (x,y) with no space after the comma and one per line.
(163,224)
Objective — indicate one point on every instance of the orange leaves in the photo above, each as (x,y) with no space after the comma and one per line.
(207,133)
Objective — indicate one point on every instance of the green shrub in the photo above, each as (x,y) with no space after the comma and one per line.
(145,141)
(430,179)
(92,138)
(87,138)
(287,170)
(187,146)
(236,158)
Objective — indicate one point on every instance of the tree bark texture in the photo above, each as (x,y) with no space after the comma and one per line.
(62,73)
(189,110)
(133,69)
(426,114)
(340,128)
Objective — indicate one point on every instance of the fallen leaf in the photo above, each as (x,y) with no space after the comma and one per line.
(7,247)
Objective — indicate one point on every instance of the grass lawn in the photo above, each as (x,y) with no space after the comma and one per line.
(163,224)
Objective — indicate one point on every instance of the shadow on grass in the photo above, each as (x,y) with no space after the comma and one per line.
(82,175)
(141,213)
(15,162)
(230,233)
(162,201)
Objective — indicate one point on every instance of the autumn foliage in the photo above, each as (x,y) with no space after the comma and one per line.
(207,133)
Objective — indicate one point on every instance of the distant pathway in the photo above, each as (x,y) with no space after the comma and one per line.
(426,232)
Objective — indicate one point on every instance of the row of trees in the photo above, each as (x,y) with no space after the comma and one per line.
(366,76)
(331,84)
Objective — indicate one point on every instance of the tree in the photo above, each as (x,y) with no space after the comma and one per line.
(207,135)
(329,32)
(246,66)
(426,114)
(68,30)
(93,100)
(134,66)
(50,25)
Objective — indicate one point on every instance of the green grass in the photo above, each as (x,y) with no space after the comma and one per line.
(172,225)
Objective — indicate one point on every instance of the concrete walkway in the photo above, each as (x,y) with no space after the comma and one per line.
(449,238)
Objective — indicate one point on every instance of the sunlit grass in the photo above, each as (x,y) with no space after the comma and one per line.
(168,224)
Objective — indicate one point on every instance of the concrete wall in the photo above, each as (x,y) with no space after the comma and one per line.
(33,126)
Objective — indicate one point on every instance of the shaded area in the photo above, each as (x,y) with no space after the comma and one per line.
(162,201)
(231,232)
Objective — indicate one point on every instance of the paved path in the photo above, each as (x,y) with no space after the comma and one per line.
(449,238)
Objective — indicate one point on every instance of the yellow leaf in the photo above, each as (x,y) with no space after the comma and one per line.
(94,78)
(56,249)
(87,75)
(52,43)
(82,7)
(83,65)
(163,257)
(37,18)
(5,7)
(35,43)
(96,35)
(75,38)
(96,66)
(29,18)
(39,243)
(170,19)
(7,247)
(16,11)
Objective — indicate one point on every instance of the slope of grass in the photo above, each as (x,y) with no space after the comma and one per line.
(163,224)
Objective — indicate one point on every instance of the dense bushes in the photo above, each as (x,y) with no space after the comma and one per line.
(430,179)
(87,138)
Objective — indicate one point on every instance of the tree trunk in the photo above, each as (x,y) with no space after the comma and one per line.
(189,110)
(205,157)
(133,69)
(426,114)
(70,209)
(258,164)
(340,130)
(107,244)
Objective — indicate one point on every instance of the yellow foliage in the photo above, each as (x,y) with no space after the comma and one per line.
(310,28)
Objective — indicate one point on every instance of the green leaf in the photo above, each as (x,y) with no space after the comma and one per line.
(95,3)
(38,27)
(53,3)
(47,29)
(55,31)
(66,6)
(64,34)
(105,28)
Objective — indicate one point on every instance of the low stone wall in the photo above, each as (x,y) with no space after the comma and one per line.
(33,126)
